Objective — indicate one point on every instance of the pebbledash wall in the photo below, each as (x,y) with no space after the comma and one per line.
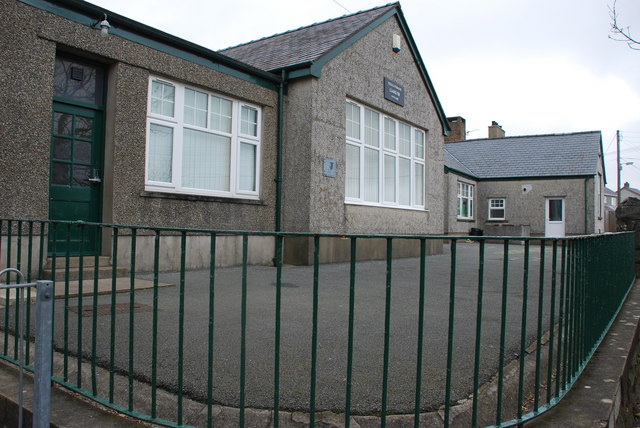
(583,212)
(31,39)
(317,203)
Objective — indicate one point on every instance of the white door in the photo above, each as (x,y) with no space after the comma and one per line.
(554,217)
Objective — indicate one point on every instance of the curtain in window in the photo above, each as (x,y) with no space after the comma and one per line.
(247,167)
(206,161)
(419,184)
(371,175)
(404,176)
(389,178)
(352,179)
(160,153)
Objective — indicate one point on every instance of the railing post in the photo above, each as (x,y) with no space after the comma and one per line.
(42,378)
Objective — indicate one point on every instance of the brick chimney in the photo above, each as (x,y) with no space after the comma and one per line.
(495,130)
(458,129)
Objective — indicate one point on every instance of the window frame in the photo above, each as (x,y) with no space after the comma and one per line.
(469,196)
(503,208)
(390,154)
(179,125)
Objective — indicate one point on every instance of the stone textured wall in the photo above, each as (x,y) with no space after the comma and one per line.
(357,73)
(529,208)
(30,38)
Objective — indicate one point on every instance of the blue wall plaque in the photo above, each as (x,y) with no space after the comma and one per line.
(329,168)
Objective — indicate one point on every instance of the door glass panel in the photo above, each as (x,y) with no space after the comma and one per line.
(82,151)
(77,81)
(60,174)
(555,209)
(62,123)
(61,148)
(80,176)
(84,127)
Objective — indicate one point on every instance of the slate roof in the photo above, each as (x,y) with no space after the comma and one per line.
(553,155)
(305,44)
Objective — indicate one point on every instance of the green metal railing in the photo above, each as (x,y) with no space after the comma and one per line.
(397,337)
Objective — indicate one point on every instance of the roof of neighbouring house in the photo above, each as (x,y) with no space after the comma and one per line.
(609,192)
(630,189)
(306,44)
(552,155)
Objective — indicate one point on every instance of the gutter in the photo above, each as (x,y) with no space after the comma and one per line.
(586,207)
(278,179)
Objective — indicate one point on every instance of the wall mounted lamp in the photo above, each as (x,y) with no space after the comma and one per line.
(103,26)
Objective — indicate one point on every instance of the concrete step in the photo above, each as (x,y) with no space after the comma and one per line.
(87,272)
(74,262)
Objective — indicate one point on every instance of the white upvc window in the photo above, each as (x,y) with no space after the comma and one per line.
(385,160)
(497,210)
(201,143)
(465,200)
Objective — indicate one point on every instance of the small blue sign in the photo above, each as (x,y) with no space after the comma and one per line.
(329,168)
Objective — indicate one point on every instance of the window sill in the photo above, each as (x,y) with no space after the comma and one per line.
(393,207)
(466,220)
(200,198)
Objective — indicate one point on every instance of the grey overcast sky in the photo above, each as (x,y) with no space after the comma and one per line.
(535,67)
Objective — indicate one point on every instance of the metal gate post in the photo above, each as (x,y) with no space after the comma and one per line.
(42,377)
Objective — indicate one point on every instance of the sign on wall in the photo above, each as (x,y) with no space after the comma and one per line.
(393,91)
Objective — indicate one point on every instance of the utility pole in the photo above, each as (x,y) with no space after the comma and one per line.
(619,165)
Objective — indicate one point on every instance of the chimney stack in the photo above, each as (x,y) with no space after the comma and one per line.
(458,129)
(495,130)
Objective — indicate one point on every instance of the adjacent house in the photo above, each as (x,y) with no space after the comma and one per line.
(627,191)
(334,127)
(538,185)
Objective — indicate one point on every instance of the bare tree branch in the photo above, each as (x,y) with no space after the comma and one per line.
(623,34)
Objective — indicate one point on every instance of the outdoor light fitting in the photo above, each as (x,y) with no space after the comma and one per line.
(104,26)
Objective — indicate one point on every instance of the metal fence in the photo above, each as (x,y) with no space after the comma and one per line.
(493,331)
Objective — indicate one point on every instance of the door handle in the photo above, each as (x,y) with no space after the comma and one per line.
(96,177)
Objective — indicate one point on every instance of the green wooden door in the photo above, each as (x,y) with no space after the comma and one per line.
(75,177)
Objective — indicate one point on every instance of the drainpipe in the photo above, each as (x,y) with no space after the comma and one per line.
(586,207)
(278,178)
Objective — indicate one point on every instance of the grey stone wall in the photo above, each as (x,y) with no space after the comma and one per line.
(30,38)
(357,73)
(529,208)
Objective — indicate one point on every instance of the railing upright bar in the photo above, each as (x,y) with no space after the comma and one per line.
(243,330)
(352,300)
(154,326)
(183,268)
(20,292)
(67,257)
(79,308)
(210,346)
(536,399)
(314,331)
(52,239)
(94,314)
(503,329)
(552,321)
(452,299)
(476,360)
(112,338)
(523,327)
(276,357)
(28,301)
(132,305)
(566,288)
(7,293)
(387,332)
(419,352)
